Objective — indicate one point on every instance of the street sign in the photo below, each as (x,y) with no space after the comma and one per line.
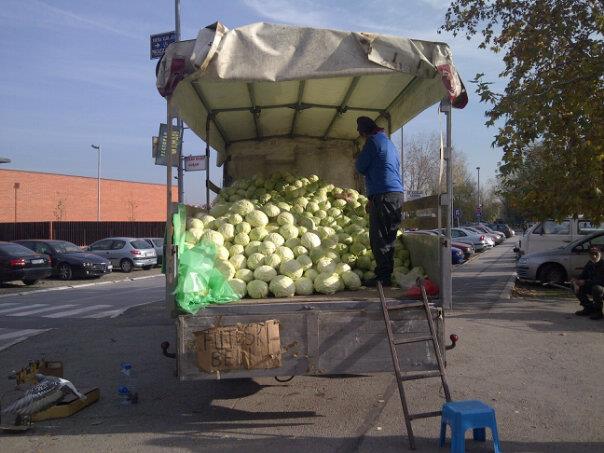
(195,163)
(160,42)
(160,151)
(414,194)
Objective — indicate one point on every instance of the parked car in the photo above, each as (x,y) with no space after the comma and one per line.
(550,235)
(68,260)
(467,249)
(158,245)
(126,253)
(498,236)
(503,227)
(495,238)
(20,263)
(456,256)
(479,241)
(558,265)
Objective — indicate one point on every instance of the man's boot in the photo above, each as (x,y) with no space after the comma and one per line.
(597,312)
(585,311)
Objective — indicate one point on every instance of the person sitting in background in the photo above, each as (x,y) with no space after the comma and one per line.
(591,283)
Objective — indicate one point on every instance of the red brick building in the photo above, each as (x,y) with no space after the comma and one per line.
(36,196)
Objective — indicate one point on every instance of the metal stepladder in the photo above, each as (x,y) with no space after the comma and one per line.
(400,377)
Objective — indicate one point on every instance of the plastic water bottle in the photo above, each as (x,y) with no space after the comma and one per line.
(126,390)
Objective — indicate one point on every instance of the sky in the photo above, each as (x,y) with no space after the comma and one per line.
(77,73)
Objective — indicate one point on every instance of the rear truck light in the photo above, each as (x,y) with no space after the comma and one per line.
(18,262)
(136,252)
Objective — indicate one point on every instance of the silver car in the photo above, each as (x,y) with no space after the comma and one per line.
(126,253)
(558,265)
(480,242)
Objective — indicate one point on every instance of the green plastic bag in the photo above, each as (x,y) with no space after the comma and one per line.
(199,282)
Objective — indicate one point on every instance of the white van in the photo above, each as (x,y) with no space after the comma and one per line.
(551,234)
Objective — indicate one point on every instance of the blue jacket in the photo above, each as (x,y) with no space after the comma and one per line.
(380,164)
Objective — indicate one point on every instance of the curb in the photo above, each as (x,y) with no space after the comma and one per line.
(506,294)
(83,285)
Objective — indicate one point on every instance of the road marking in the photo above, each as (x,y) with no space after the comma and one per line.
(67,313)
(11,304)
(106,314)
(40,310)
(19,333)
(9,337)
(15,309)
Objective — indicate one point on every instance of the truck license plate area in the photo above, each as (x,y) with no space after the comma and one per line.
(239,347)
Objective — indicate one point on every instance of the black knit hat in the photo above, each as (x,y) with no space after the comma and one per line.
(366,125)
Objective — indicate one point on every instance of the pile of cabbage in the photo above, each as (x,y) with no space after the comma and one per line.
(289,236)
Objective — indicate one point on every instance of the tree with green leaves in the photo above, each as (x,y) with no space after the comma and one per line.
(550,116)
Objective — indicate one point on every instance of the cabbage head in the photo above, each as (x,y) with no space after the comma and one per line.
(242,207)
(285,253)
(212,236)
(236,249)
(265,273)
(351,280)
(222,253)
(225,268)
(326,265)
(285,218)
(252,247)
(304,286)
(257,289)
(238,286)
(276,239)
(311,273)
(271,210)
(255,260)
(310,240)
(245,274)
(243,227)
(282,286)
(256,218)
(272,260)
(267,247)
(292,268)
(241,239)
(327,283)
(288,231)
(258,234)
(238,261)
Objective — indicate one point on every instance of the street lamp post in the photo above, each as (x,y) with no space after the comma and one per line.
(16,186)
(98,181)
(479,208)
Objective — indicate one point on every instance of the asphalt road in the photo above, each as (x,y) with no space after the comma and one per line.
(27,314)
(528,359)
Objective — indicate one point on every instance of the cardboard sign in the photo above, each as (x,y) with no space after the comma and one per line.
(244,346)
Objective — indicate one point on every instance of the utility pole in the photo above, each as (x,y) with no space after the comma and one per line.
(403,160)
(16,186)
(181,191)
(479,208)
(98,181)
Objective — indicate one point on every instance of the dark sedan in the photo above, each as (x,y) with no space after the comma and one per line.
(68,260)
(20,263)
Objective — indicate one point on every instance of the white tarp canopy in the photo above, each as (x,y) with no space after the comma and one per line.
(265,81)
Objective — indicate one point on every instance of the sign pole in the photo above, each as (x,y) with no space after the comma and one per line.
(181,175)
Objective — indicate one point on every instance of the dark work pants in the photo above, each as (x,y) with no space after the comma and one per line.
(385,217)
(582,295)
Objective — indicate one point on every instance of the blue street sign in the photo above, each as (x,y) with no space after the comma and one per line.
(160,42)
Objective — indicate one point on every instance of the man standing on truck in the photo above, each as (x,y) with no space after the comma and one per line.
(379,163)
(591,282)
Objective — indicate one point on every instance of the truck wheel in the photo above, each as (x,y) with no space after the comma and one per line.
(126,265)
(64,271)
(552,273)
(29,282)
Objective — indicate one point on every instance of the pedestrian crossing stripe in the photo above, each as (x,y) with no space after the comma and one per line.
(60,311)
(9,337)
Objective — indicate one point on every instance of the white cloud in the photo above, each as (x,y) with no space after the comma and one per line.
(43,15)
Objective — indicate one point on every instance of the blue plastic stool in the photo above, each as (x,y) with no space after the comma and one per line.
(464,415)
